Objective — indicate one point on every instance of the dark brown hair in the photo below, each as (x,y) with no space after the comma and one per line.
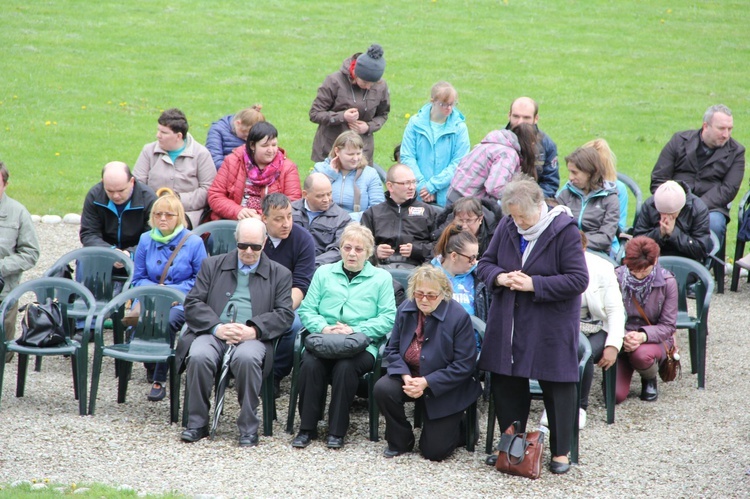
(527,138)
(453,239)
(175,120)
(640,253)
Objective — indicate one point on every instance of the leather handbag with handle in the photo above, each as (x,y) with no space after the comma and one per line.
(520,454)
(134,311)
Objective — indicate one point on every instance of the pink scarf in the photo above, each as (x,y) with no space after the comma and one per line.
(256,185)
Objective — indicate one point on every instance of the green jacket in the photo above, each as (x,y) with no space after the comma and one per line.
(367,303)
(19,247)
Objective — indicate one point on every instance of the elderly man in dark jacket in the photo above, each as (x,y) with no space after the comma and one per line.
(261,291)
(677,220)
(323,219)
(709,161)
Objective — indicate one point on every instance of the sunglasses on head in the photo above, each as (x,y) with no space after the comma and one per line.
(254,247)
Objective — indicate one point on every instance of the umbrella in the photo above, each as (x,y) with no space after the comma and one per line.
(221,385)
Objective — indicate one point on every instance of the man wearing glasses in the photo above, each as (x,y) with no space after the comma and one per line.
(260,291)
(402,225)
(116,210)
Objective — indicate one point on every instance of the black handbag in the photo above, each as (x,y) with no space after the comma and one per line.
(42,325)
(336,346)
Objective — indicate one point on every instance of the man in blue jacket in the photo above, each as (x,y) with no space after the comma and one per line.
(526,110)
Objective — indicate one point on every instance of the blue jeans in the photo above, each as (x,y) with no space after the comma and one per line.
(717,222)
(284,356)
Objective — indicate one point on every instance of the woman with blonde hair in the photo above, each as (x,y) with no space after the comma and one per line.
(154,250)
(356,186)
(439,373)
(435,140)
(230,132)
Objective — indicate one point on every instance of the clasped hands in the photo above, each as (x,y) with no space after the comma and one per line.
(338,328)
(235,332)
(633,340)
(384,251)
(414,387)
(516,281)
(351,116)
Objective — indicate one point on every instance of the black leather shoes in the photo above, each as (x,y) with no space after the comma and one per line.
(194,434)
(491,460)
(334,442)
(303,439)
(649,392)
(249,440)
(558,468)
(387,452)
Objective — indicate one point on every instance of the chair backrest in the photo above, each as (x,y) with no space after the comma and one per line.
(66,291)
(400,275)
(93,268)
(683,269)
(218,236)
(743,230)
(635,190)
(153,324)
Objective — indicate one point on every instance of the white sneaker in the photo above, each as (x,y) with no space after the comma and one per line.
(581,418)
(543,421)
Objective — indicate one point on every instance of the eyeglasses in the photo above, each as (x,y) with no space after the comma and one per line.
(445,105)
(254,247)
(418,295)
(472,258)
(347,248)
(407,183)
(468,221)
(164,214)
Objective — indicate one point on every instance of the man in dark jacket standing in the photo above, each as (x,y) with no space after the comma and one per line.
(677,220)
(709,161)
(116,210)
(402,225)
(323,219)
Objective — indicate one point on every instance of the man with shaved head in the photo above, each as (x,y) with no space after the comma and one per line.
(526,110)
(323,218)
(116,210)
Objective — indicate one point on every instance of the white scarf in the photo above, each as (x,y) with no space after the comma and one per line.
(546,216)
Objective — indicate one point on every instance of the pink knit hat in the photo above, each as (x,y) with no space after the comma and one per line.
(669,197)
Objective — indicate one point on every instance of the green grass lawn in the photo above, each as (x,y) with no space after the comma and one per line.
(82,83)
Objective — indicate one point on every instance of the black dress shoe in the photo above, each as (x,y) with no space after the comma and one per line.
(649,392)
(491,460)
(558,468)
(303,439)
(249,440)
(387,452)
(194,434)
(334,442)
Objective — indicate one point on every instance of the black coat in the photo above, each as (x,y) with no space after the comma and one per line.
(448,359)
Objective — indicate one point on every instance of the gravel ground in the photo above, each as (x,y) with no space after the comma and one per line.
(691,443)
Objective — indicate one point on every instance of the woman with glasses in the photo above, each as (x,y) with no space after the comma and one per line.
(252,171)
(151,256)
(355,185)
(536,272)
(475,216)
(457,252)
(435,140)
(431,360)
(349,296)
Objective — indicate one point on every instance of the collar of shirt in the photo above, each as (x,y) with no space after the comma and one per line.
(246,269)
(275,241)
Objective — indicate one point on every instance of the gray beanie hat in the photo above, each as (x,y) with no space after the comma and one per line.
(370,65)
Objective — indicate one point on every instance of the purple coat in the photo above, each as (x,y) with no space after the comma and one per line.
(660,308)
(535,335)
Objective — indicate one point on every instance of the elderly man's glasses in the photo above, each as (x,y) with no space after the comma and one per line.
(419,296)
(254,247)
(164,214)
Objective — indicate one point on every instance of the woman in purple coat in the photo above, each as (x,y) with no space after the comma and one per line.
(536,273)
(651,291)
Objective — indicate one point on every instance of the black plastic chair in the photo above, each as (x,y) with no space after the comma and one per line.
(150,341)
(66,292)
(218,236)
(368,380)
(739,247)
(686,271)
(584,352)
(400,275)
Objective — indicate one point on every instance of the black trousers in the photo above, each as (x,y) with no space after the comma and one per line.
(343,374)
(440,436)
(513,401)
(597,341)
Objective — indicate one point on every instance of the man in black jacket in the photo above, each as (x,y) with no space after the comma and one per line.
(677,220)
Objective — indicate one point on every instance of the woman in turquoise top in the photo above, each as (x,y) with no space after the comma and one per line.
(344,297)
(435,140)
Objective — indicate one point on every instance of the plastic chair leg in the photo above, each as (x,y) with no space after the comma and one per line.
(269,405)
(739,249)
(693,352)
(373,408)
(96,370)
(610,389)
(74,364)
(174,391)
(719,266)
(122,383)
(38,364)
(2,365)
(81,362)
(23,365)
(700,354)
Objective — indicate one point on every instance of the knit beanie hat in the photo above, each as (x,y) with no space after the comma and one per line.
(669,197)
(371,65)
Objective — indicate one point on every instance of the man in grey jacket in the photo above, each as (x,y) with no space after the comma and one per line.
(19,250)
(322,218)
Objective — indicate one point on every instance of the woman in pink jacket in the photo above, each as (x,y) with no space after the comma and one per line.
(250,173)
